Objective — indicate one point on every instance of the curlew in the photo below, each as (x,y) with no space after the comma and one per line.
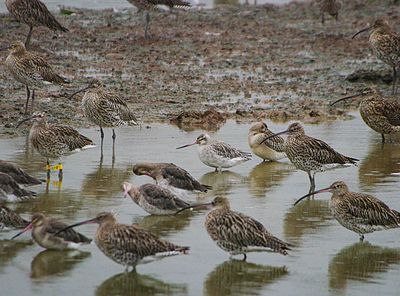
(54,140)
(385,43)
(10,219)
(380,114)
(45,234)
(358,212)
(154,199)
(311,155)
(170,176)
(129,245)
(105,109)
(148,5)
(331,7)
(218,154)
(30,69)
(18,174)
(237,233)
(270,150)
(10,191)
(35,14)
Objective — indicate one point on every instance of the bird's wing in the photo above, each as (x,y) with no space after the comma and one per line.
(19,175)
(226,150)
(117,107)
(276,143)
(391,110)
(171,3)
(180,178)
(41,69)
(69,136)
(69,235)
(161,198)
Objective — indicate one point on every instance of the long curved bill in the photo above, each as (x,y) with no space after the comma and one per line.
(78,91)
(274,135)
(187,145)
(361,31)
(28,227)
(23,120)
(312,193)
(205,205)
(90,221)
(346,98)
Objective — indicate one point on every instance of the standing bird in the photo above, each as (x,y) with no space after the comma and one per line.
(105,109)
(154,199)
(169,175)
(237,233)
(358,212)
(218,154)
(147,5)
(311,155)
(129,245)
(54,140)
(270,150)
(385,43)
(10,191)
(331,7)
(380,114)
(30,69)
(45,234)
(18,174)
(10,219)
(33,13)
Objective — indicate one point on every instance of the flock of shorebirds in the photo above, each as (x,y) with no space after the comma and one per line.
(232,231)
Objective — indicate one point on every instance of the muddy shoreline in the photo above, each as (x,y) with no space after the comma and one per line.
(233,62)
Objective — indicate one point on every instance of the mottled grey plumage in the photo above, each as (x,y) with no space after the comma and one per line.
(33,13)
(359,212)
(45,232)
(332,7)
(10,219)
(10,191)
(272,149)
(18,174)
(154,199)
(30,69)
(218,154)
(170,175)
(129,245)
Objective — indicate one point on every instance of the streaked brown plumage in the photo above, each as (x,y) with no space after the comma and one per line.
(147,5)
(379,113)
(10,191)
(311,155)
(386,45)
(10,219)
(18,174)
(129,245)
(45,232)
(54,140)
(170,176)
(30,69)
(358,212)
(332,7)
(154,199)
(272,149)
(33,13)
(237,233)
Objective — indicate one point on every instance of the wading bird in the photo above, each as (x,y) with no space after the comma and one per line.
(10,191)
(129,245)
(35,14)
(237,233)
(18,174)
(358,212)
(331,7)
(386,45)
(10,219)
(311,155)
(30,69)
(218,154)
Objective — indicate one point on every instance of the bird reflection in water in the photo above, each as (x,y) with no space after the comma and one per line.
(381,165)
(237,277)
(132,284)
(10,249)
(221,182)
(266,175)
(52,262)
(360,262)
(164,225)
(306,217)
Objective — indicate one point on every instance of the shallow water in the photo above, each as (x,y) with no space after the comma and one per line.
(326,258)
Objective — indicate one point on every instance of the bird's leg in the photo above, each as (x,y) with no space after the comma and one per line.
(60,172)
(113,137)
(48,169)
(146,24)
(244,256)
(28,38)
(216,169)
(33,99)
(361,237)
(383,138)
(394,80)
(102,140)
(322,18)
(28,94)
(337,17)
